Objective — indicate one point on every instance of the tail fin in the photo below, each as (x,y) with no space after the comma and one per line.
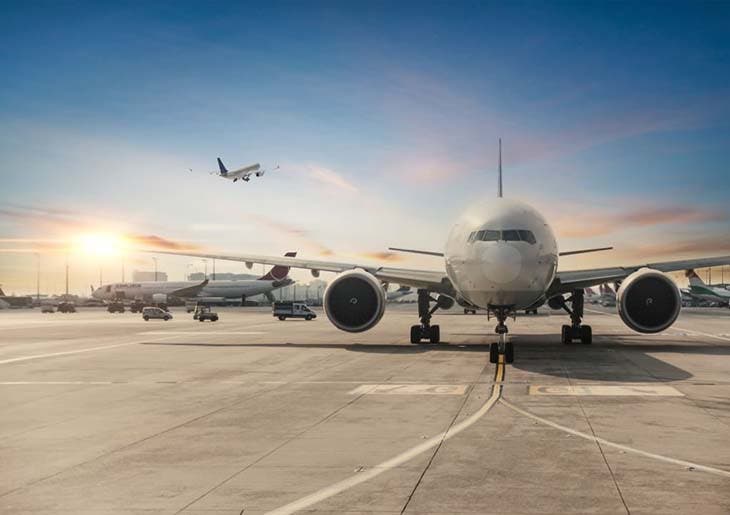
(222,167)
(694,278)
(2,293)
(279,272)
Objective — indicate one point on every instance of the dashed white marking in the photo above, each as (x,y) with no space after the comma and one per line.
(368,474)
(600,390)
(602,441)
(410,389)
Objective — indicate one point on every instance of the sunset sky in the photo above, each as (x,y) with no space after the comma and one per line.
(384,119)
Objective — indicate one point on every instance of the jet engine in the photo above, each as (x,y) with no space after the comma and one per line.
(354,301)
(648,301)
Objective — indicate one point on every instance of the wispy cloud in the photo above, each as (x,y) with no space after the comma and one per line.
(390,257)
(298,236)
(323,175)
(595,222)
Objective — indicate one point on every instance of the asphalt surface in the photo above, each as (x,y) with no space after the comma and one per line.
(106,413)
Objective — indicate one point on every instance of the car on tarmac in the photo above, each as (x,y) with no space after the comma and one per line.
(154,312)
(48,308)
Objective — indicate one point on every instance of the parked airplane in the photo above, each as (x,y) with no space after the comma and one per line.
(13,301)
(501,256)
(702,291)
(207,291)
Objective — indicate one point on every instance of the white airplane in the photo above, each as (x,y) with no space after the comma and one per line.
(243,174)
(501,256)
(702,291)
(205,291)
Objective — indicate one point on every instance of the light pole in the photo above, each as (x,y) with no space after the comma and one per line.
(214,269)
(155,260)
(66,298)
(38,278)
(187,271)
(205,262)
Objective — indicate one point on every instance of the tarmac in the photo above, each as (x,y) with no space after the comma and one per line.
(109,414)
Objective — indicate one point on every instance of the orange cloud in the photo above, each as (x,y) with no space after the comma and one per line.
(158,242)
(390,257)
(594,223)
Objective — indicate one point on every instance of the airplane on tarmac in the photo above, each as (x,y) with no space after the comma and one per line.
(205,291)
(501,255)
(698,289)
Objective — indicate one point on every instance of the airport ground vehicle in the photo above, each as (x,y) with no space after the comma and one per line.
(136,306)
(289,309)
(48,308)
(153,312)
(203,313)
(115,307)
(66,307)
(191,306)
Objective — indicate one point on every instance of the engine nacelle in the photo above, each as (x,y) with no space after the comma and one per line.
(354,301)
(648,301)
(159,298)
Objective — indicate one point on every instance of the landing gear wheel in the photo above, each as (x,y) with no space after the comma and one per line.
(509,352)
(434,334)
(415,334)
(493,353)
(586,335)
(566,335)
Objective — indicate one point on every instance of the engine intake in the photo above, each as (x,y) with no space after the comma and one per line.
(354,301)
(648,301)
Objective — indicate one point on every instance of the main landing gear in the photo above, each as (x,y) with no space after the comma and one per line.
(504,346)
(426,331)
(576,331)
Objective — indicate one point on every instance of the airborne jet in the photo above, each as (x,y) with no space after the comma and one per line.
(243,174)
(500,256)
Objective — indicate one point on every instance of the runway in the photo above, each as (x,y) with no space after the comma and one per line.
(107,413)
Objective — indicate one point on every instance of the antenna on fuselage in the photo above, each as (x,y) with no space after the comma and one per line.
(499,177)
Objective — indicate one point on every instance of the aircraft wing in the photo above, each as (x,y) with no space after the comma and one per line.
(435,281)
(567,281)
(190,291)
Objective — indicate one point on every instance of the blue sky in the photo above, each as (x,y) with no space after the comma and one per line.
(384,118)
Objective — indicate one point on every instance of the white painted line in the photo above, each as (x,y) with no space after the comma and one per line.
(197,333)
(368,474)
(410,389)
(43,383)
(682,463)
(691,331)
(602,390)
(51,354)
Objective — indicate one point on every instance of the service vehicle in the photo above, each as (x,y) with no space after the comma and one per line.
(203,313)
(155,312)
(115,307)
(288,309)
(48,308)
(66,307)
(136,306)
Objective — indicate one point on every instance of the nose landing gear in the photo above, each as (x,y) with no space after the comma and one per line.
(504,346)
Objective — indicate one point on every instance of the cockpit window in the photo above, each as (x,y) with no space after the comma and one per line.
(506,235)
(510,235)
(528,237)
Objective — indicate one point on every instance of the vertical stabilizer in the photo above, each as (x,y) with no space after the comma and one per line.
(693,278)
(278,272)
(499,178)
(222,167)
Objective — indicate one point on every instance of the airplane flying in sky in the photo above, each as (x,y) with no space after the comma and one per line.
(501,255)
(702,291)
(207,291)
(243,174)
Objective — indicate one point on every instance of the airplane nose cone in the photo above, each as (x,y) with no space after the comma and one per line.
(502,263)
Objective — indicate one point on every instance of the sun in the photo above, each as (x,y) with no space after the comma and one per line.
(99,244)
